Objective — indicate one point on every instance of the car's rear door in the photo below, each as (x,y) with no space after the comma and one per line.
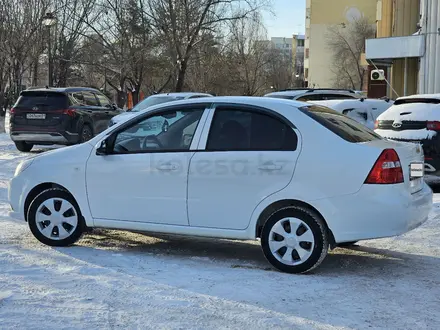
(245,155)
(39,110)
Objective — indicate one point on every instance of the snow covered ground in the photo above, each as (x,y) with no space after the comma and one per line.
(114,279)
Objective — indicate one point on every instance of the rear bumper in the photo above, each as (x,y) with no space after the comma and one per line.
(376,212)
(45,137)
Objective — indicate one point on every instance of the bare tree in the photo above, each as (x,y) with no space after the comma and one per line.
(183,23)
(347,43)
(248,54)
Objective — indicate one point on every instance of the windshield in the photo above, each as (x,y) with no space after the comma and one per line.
(154,100)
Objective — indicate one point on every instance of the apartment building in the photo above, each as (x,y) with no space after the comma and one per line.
(320,15)
(407,46)
(283,44)
(298,55)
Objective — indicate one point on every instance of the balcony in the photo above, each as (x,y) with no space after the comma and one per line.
(395,47)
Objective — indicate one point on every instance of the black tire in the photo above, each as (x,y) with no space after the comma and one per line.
(86,133)
(317,228)
(23,146)
(55,193)
(346,244)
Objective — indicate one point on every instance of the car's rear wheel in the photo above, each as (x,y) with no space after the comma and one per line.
(86,133)
(294,240)
(55,218)
(23,146)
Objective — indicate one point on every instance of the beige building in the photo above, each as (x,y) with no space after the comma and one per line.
(320,15)
(408,45)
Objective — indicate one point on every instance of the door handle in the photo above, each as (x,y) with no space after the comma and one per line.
(167,167)
(269,166)
(89,111)
(106,112)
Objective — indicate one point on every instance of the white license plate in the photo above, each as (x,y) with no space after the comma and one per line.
(416,170)
(36,116)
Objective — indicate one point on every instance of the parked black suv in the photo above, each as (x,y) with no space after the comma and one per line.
(59,116)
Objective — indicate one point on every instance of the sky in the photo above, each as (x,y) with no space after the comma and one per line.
(288,18)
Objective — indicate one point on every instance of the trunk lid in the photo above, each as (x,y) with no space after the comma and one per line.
(39,108)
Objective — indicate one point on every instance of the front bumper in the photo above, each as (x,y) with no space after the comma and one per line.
(45,137)
(18,189)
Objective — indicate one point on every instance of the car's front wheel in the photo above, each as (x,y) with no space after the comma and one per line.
(55,218)
(23,146)
(294,240)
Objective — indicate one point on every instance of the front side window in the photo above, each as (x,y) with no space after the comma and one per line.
(235,130)
(167,131)
(90,99)
(103,100)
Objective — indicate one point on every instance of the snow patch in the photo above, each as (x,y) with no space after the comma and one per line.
(412,112)
(416,134)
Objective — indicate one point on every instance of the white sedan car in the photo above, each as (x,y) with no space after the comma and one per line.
(300,177)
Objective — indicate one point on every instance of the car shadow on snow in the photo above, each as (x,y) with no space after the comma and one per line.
(358,259)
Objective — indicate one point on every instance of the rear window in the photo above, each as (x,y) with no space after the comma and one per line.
(417,100)
(42,100)
(341,125)
(154,100)
(285,97)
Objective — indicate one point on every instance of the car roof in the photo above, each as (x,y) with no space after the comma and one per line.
(297,92)
(61,89)
(420,96)
(181,94)
(238,100)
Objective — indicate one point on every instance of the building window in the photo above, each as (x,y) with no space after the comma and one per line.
(307,52)
(300,42)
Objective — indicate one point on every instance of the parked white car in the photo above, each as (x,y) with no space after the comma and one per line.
(315,94)
(301,177)
(364,111)
(155,100)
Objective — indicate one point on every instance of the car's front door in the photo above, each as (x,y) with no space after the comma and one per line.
(109,110)
(144,178)
(96,112)
(249,155)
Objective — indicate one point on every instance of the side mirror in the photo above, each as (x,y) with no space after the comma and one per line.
(102,150)
(114,106)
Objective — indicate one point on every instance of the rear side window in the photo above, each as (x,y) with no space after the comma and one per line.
(341,125)
(241,130)
(42,100)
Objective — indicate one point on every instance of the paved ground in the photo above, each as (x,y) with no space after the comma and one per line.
(114,279)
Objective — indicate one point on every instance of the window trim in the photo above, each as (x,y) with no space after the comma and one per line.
(252,109)
(134,121)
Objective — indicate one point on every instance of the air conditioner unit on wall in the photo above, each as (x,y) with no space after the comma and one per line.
(377,75)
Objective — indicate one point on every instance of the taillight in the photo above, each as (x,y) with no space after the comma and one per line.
(12,111)
(376,124)
(69,112)
(433,125)
(387,169)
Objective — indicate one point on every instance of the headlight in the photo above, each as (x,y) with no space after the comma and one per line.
(23,165)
